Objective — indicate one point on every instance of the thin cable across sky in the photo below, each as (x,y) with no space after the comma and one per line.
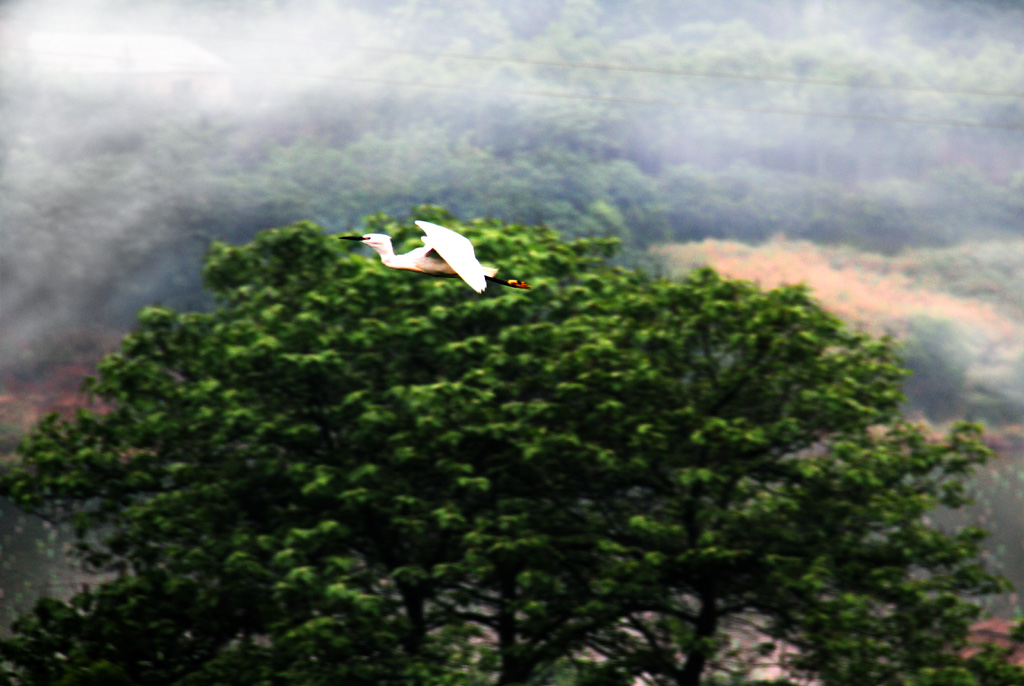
(625,100)
(799,80)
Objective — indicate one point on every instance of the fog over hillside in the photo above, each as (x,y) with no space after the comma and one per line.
(865,123)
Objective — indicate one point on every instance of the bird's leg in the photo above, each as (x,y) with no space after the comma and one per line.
(513,283)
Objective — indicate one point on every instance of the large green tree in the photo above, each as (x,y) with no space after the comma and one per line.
(347,474)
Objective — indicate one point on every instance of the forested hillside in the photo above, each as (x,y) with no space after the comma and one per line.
(866,124)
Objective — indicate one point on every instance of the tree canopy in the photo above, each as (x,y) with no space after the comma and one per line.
(346,474)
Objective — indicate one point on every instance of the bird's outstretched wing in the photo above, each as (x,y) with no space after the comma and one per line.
(457,251)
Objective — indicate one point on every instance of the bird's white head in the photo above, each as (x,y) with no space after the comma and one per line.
(381,242)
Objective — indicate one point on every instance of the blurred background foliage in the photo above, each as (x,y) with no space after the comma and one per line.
(858,124)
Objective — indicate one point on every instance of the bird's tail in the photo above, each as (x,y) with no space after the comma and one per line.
(489,272)
(513,283)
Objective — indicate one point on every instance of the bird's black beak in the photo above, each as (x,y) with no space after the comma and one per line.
(351,238)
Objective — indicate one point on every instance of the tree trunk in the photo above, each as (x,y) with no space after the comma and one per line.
(514,668)
(413,598)
(704,631)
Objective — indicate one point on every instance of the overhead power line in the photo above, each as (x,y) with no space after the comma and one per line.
(638,69)
(631,100)
(626,68)
(799,80)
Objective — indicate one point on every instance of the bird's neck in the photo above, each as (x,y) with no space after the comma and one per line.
(386,252)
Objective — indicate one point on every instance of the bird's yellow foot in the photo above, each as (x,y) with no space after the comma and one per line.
(518,284)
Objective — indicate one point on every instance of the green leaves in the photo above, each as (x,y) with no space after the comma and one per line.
(347,474)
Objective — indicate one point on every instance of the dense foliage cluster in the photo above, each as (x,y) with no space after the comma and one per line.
(346,474)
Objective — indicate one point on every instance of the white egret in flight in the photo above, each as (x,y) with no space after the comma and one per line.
(444,253)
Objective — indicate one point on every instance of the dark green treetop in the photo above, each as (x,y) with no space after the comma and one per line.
(348,474)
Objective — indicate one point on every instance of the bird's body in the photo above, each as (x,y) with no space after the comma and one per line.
(444,253)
